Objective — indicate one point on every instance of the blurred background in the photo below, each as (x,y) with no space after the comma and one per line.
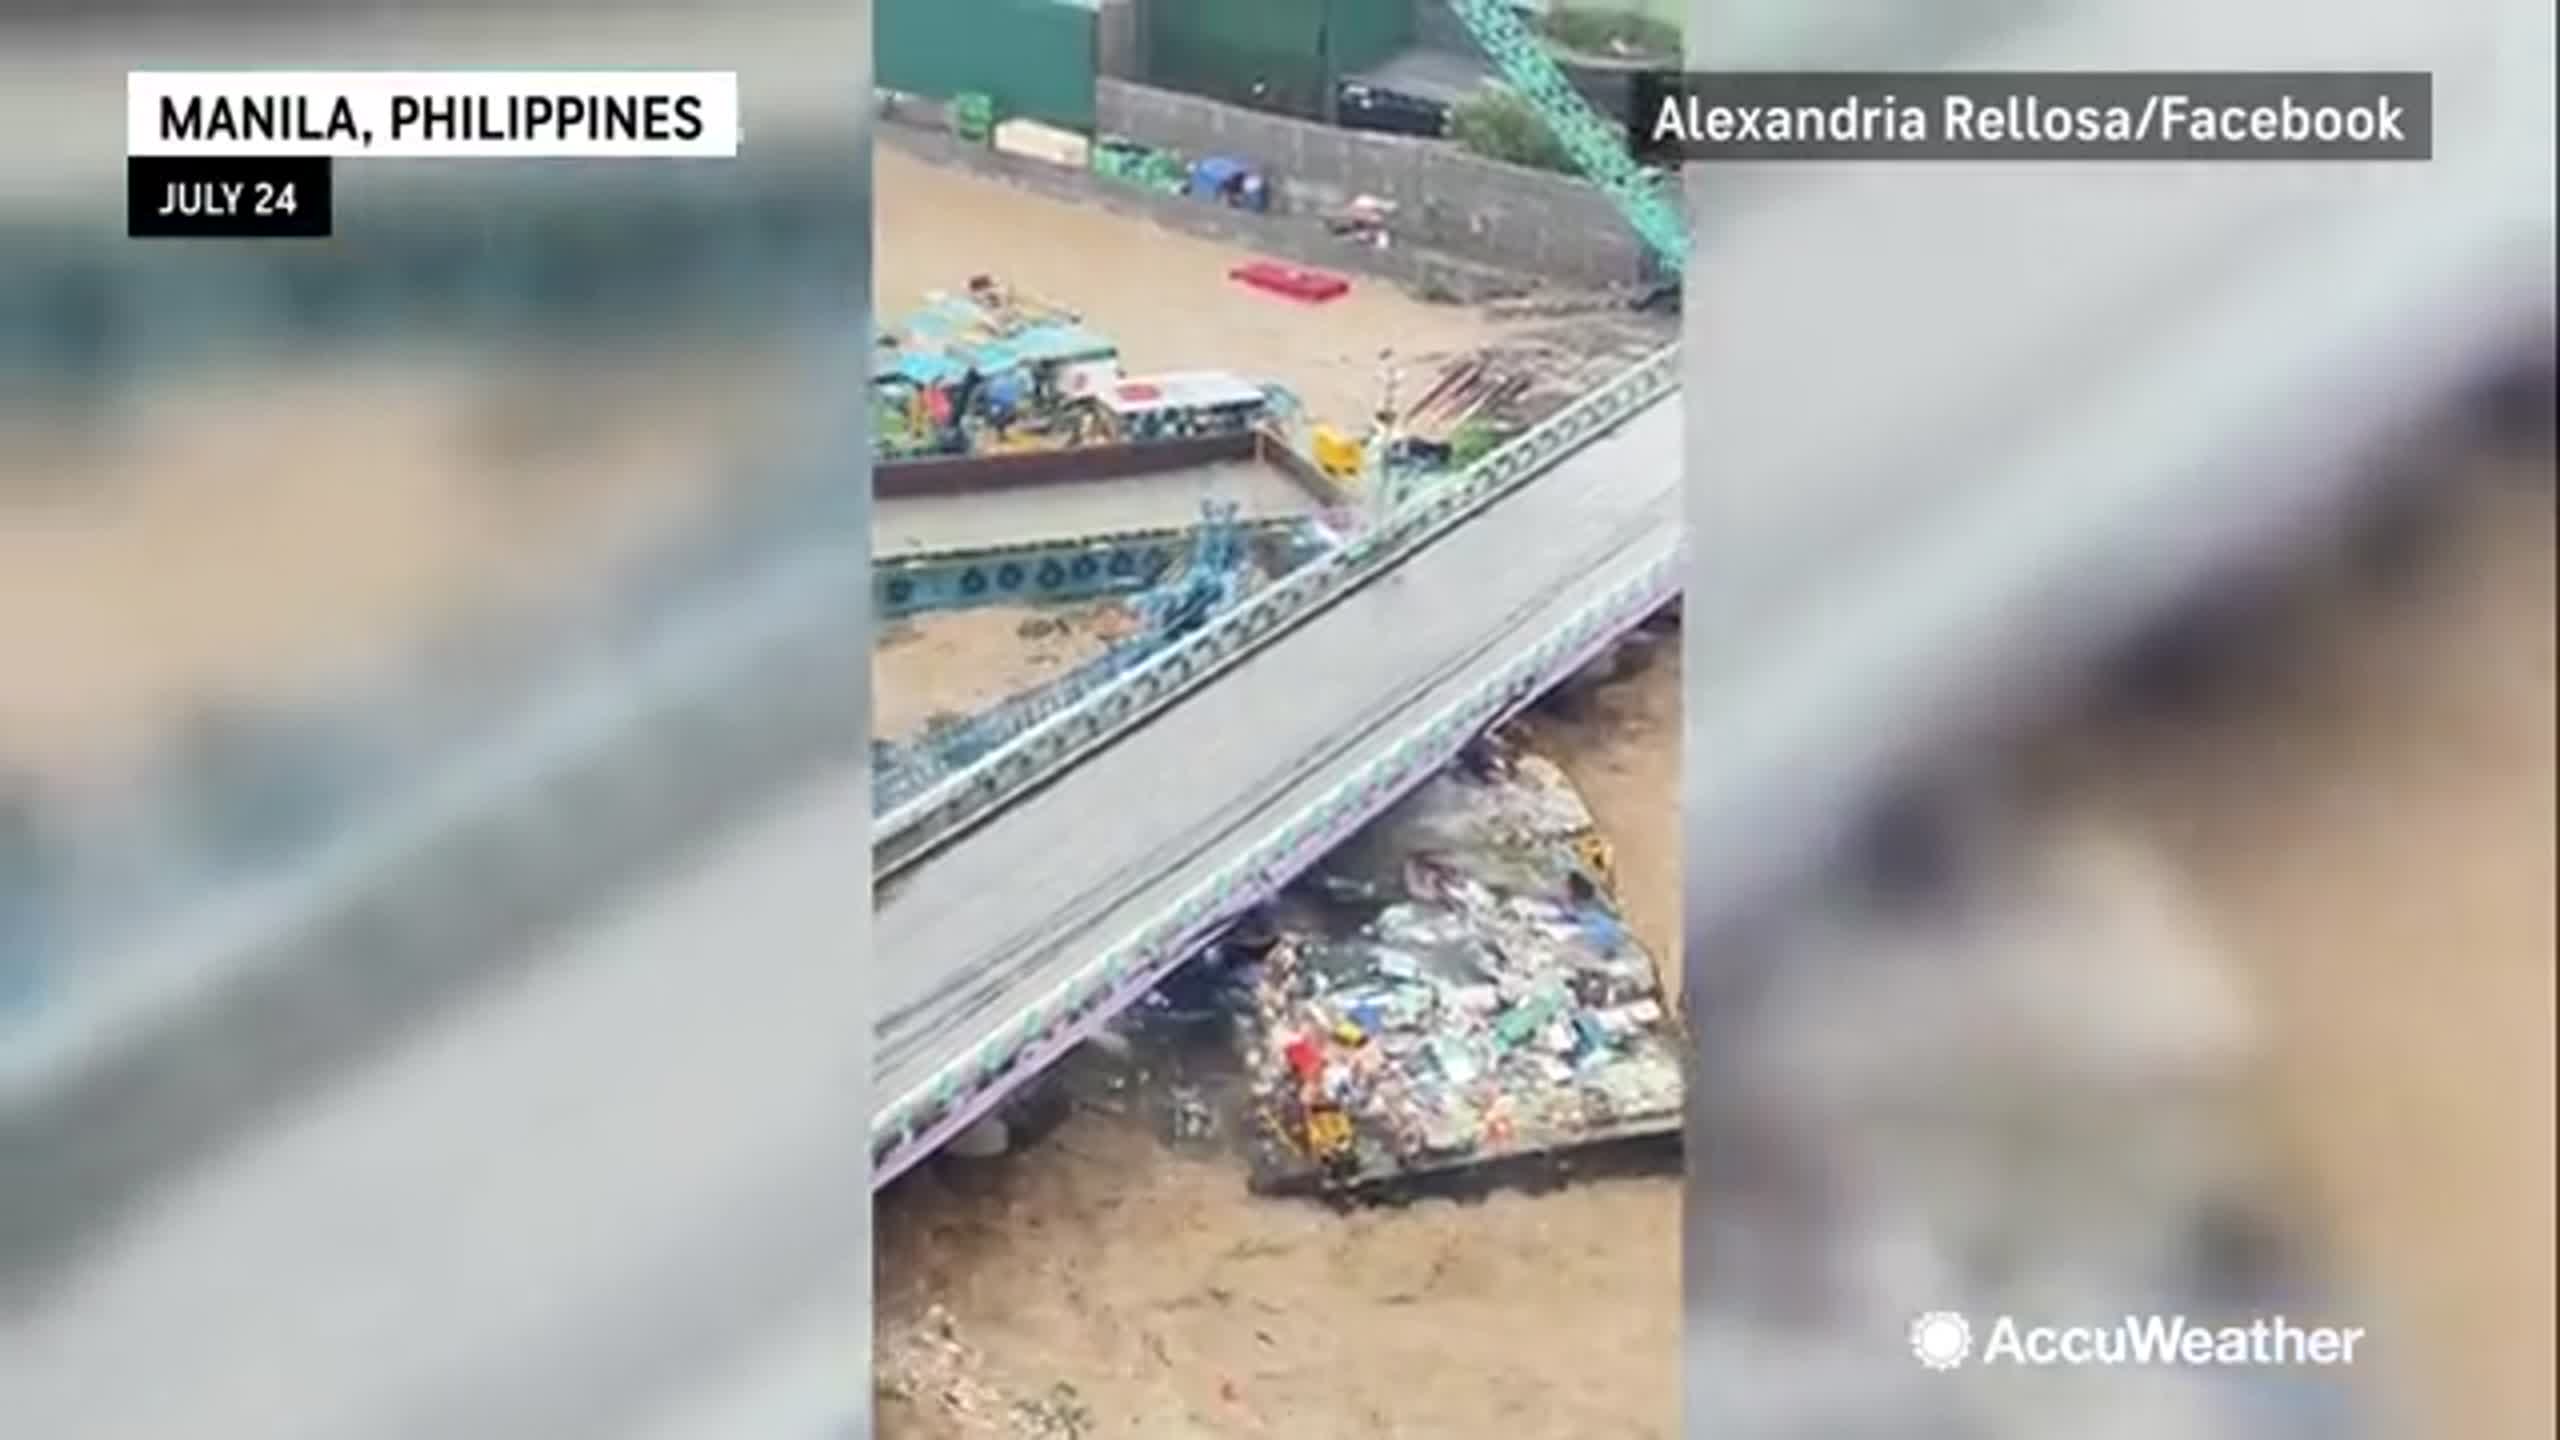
(2120,748)
(381,608)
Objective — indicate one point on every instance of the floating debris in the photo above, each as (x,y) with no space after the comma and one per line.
(1457,987)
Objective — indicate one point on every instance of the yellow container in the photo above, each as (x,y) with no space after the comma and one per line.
(1337,454)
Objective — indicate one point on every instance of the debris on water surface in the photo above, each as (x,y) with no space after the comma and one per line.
(1059,1415)
(1457,987)
(1192,1119)
(929,1368)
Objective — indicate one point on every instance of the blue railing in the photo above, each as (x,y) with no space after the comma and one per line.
(1216,574)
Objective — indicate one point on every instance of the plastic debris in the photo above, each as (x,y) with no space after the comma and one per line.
(1455,987)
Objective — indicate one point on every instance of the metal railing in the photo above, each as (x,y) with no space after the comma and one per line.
(915,829)
(1083,567)
(900,772)
(913,1124)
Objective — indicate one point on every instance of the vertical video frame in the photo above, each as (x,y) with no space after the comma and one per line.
(1275,541)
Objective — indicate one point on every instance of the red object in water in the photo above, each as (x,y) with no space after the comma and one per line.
(1312,286)
(1305,1058)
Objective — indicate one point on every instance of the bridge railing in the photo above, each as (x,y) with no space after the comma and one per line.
(900,772)
(915,1118)
(1162,563)
(916,828)
(1043,572)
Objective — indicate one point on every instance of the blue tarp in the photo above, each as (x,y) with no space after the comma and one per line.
(1058,342)
(1211,176)
(934,354)
(928,367)
(992,357)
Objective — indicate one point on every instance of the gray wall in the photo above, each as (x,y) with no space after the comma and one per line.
(1473,209)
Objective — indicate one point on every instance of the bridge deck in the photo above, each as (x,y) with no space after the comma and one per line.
(971,938)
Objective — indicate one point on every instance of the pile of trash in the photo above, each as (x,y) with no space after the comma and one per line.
(1455,987)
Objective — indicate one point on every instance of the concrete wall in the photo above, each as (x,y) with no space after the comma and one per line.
(1466,207)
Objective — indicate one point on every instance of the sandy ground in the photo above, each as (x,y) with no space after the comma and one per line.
(2368,824)
(241,537)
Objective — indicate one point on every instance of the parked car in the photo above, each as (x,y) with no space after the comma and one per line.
(1366,107)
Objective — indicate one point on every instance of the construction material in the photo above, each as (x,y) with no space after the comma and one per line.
(1469,389)
(1033,140)
(1290,281)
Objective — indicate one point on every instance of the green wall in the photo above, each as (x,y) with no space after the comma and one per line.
(1036,57)
(1369,32)
(1296,49)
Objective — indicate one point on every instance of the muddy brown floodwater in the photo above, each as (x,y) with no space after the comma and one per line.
(961,662)
(2367,820)
(1164,297)
(1174,1304)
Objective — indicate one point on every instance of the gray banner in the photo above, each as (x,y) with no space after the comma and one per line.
(1945,115)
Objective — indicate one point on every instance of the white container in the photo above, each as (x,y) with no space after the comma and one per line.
(1035,141)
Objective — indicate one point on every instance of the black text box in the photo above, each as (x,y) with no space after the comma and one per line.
(227,196)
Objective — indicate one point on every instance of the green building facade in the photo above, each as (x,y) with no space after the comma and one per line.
(1284,55)
(1035,58)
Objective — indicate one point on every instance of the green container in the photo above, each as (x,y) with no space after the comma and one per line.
(1033,58)
(973,116)
(1131,163)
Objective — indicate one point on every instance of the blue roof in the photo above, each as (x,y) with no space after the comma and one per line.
(927,367)
(934,350)
(1059,342)
(988,358)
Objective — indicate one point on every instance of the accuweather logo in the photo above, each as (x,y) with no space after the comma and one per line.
(1944,1340)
